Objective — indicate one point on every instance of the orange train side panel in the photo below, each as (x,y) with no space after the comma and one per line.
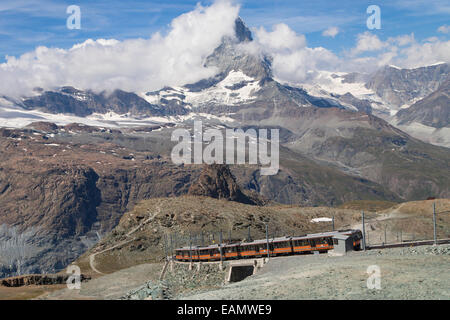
(249,253)
(302,248)
(282,250)
(231,254)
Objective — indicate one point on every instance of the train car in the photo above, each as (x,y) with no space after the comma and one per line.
(252,249)
(231,251)
(188,254)
(258,248)
(183,254)
(321,242)
(279,246)
(210,253)
(301,245)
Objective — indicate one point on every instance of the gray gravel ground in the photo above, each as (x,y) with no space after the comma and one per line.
(406,273)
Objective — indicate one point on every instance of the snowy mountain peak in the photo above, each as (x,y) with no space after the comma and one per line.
(243,33)
(234,89)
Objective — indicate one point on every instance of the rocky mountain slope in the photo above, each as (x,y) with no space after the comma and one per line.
(391,93)
(432,111)
(62,188)
(399,87)
(83,103)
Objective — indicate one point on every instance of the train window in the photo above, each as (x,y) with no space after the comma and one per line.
(282,244)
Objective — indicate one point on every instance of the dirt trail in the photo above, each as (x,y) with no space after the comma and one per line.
(93,255)
(393,214)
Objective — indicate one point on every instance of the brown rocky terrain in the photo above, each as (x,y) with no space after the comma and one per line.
(67,186)
(217,181)
(74,193)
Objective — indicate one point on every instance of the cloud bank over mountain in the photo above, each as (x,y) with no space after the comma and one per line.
(178,57)
(134,65)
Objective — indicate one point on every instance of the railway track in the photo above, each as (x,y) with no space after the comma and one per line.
(408,244)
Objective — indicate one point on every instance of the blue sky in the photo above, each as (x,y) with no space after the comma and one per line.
(26,24)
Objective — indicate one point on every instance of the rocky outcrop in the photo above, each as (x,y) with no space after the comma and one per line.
(218,182)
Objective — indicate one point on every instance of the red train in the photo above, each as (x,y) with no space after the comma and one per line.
(321,242)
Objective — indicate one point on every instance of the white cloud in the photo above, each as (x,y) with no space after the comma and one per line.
(178,57)
(403,51)
(134,65)
(402,40)
(422,54)
(331,32)
(280,39)
(292,60)
(367,42)
(444,29)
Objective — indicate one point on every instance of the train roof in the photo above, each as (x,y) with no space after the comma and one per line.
(279,239)
(214,246)
(325,234)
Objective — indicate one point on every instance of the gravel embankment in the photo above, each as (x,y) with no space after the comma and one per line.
(179,281)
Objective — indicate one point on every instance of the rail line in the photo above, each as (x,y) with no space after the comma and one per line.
(407,244)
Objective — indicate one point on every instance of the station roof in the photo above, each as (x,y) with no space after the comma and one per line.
(341,236)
